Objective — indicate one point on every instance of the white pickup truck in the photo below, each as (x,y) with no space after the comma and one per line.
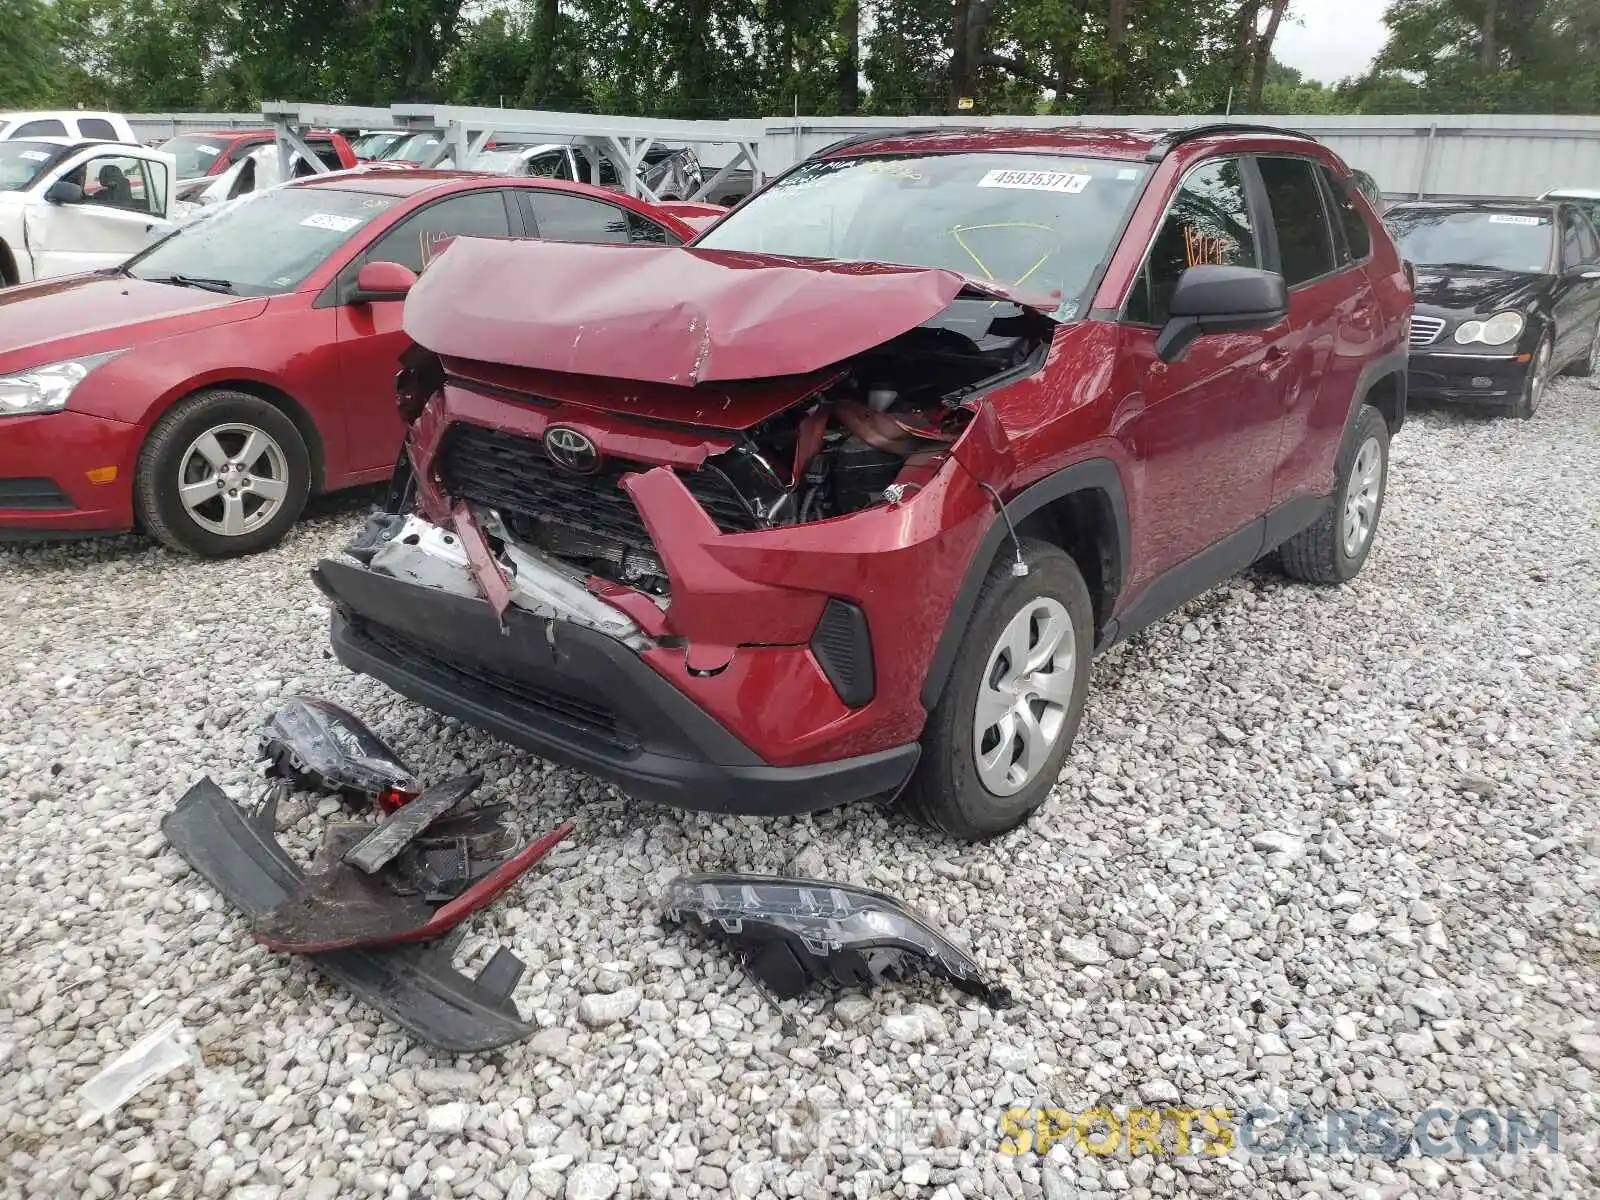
(68,206)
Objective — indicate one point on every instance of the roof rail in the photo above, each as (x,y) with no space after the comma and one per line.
(1168,142)
(882,135)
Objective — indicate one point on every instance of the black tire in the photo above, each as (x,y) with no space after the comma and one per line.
(1588,366)
(1319,553)
(161,510)
(1527,402)
(946,791)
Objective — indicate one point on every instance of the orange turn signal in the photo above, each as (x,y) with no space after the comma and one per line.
(102,475)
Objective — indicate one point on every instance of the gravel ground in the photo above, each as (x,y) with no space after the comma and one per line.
(1316,850)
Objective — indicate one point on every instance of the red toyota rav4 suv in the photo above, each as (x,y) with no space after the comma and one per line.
(840,500)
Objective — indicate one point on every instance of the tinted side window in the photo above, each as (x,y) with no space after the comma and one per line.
(328,153)
(1588,240)
(477,214)
(563,218)
(642,229)
(94,127)
(1208,222)
(1305,243)
(1571,248)
(1357,237)
(40,129)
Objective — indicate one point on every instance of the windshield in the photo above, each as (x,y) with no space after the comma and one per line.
(375,145)
(196,153)
(1039,223)
(414,149)
(1497,241)
(264,243)
(21,163)
(499,162)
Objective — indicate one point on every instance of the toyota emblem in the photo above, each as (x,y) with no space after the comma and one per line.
(570,449)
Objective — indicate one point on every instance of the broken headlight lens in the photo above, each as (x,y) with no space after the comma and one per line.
(46,389)
(315,744)
(797,931)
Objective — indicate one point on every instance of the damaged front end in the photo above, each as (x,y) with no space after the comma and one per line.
(716,555)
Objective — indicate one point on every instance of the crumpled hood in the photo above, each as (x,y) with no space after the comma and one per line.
(1481,291)
(83,311)
(663,314)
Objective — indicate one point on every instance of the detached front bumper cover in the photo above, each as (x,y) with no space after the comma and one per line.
(795,932)
(415,986)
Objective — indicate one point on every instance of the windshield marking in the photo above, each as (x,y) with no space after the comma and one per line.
(957,230)
(330,221)
(1514,219)
(1036,181)
(34,156)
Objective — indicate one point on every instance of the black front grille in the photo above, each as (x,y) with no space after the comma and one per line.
(35,495)
(513,474)
(584,713)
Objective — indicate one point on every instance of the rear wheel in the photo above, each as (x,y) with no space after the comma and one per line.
(1335,548)
(1527,403)
(994,744)
(222,474)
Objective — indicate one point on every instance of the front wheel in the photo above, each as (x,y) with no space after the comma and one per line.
(1527,403)
(222,474)
(994,744)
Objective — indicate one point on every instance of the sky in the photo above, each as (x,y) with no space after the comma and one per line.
(1331,40)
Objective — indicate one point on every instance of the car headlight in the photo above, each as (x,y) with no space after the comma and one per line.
(1496,331)
(46,389)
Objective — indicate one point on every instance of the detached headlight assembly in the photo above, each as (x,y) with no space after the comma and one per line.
(794,932)
(46,389)
(1496,331)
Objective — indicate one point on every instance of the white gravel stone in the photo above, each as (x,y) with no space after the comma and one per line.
(1418,747)
(592,1181)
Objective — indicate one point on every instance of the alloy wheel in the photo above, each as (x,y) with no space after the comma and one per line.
(1361,497)
(1023,696)
(232,479)
(1540,376)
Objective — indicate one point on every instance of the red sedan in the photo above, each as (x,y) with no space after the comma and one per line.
(204,389)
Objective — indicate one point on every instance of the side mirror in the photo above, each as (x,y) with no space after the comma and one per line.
(63,192)
(1221,300)
(382,281)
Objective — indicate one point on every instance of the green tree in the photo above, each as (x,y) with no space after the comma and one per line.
(29,57)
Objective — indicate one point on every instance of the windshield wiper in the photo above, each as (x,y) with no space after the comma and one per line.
(194,281)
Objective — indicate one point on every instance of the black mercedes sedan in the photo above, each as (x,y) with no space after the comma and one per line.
(1507,295)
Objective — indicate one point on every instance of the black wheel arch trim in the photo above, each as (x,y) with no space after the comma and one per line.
(1397,364)
(1090,475)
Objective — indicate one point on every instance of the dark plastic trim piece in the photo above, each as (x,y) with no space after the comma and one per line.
(1168,142)
(1095,474)
(238,853)
(842,646)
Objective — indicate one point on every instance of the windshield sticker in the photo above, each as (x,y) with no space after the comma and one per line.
(1035,181)
(204,149)
(331,221)
(1514,219)
(34,155)
(1127,173)
(897,169)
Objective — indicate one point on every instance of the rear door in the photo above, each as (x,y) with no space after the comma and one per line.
(1321,244)
(370,337)
(1202,431)
(127,193)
